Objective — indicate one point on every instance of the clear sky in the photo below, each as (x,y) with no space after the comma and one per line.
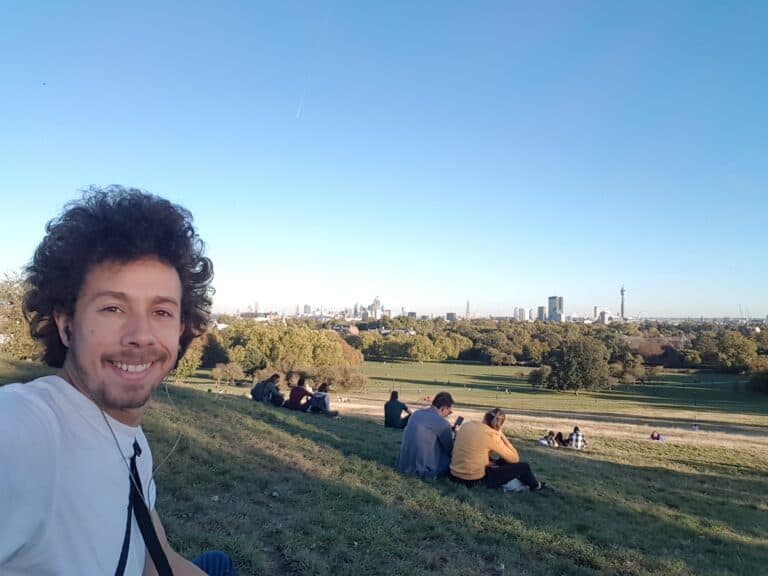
(423,152)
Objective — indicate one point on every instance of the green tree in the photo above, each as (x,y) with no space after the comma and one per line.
(707,346)
(737,352)
(580,363)
(691,358)
(214,349)
(534,351)
(632,368)
(229,373)
(420,348)
(539,376)
(190,362)
(15,339)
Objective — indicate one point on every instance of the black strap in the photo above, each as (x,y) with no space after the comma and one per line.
(144,519)
(127,538)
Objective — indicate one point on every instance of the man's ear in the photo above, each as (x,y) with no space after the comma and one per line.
(64,327)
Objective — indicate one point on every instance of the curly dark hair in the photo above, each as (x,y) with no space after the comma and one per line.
(114,224)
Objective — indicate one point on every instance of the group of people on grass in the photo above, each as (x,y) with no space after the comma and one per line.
(301,397)
(472,453)
(575,440)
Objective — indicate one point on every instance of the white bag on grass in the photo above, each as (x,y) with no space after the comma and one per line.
(514,485)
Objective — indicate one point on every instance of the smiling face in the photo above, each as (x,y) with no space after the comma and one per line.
(124,336)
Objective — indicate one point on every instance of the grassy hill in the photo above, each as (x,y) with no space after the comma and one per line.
(294,493)
(289,493)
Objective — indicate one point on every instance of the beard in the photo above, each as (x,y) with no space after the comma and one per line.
(112,397)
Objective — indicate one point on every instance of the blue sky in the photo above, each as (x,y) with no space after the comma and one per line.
(423,152)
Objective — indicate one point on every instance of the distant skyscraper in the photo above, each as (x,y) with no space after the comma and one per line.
(521,314)
(467,315)
(542,313)
(555,309)
(451,316)
(622,301)
(307,309)
(531,314)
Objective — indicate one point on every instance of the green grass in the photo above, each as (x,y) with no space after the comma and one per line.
(675,398)
(289,493)
(693,505)
(20,371)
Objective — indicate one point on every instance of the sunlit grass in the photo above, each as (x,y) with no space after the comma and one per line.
(303,494)
(289,493)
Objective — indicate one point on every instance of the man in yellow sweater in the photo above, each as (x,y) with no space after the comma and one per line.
(475,442)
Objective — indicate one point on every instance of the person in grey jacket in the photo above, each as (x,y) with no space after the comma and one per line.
(428,440)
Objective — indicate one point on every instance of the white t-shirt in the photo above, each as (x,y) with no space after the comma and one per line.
(64,485)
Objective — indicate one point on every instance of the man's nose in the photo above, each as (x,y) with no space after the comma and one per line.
(138,331)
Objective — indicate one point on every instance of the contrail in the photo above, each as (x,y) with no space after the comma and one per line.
(307,86)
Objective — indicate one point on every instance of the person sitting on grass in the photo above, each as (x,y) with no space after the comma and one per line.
(428,440)
(576,439)
(549,440)
(320,403)
(657,437)
(393,412)
(275,397)
(299,396)
(264,389)
(475,443)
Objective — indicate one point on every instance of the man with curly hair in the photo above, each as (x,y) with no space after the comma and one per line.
(117,290)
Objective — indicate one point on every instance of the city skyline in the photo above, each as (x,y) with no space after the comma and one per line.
(554,311)
(431,153)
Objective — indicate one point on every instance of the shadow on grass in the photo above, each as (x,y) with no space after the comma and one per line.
(341,509)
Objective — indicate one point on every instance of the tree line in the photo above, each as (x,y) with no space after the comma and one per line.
(563,355)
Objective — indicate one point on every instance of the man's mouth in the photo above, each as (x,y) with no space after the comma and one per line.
(131,368)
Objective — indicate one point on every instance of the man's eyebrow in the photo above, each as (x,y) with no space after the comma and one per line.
(108,294)
(165,300)
(122,296)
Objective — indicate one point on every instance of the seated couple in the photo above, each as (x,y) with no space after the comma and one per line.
(302,399)
(429,449)
(575,440)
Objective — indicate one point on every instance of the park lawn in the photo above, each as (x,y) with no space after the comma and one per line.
(289,493)
(21,371)
(292,493)
(675,396)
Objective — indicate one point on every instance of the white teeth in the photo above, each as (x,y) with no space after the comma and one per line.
(131,367)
